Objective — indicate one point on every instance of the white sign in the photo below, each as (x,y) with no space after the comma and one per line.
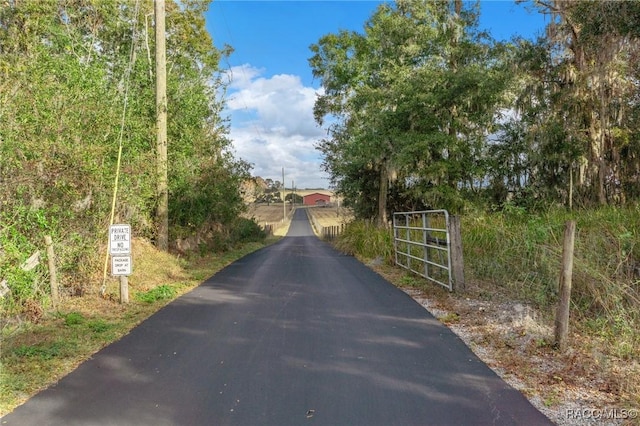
(119,239)
(31,262)
(121,265)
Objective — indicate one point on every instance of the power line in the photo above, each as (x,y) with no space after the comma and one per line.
(127,79)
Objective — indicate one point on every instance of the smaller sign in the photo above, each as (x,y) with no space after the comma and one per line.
(31,262)
(4,288)
(121,265)
(119,239)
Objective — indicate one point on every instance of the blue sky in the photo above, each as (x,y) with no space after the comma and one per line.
(270,99)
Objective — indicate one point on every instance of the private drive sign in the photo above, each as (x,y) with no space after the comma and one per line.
(119,240)
(120,250)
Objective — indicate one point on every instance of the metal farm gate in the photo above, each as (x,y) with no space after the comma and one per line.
(422,243)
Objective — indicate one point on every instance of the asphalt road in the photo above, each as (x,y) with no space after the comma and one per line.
(293,334)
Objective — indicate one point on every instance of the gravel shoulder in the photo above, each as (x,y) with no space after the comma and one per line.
(579,387)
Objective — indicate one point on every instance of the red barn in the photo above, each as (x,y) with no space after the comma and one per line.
(316,199)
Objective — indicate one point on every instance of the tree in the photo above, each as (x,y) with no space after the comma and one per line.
(293,198)
(412,100)
(63,84)
(363,77)
(589,87)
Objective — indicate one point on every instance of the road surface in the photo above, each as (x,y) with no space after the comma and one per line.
(293,334)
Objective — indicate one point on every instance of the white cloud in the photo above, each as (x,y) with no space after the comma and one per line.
(272,126)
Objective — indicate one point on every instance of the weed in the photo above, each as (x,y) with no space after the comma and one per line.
(162,292)
(409,281)
(73,318)
(99,326)
(551,399)
(43,352)
(450,318)
(367,240)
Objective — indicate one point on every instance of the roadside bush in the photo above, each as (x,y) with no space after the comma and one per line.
(246,230)
(365,239)
(16,235)
(61,131)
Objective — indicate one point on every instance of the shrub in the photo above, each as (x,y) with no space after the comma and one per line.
(162,292)
(365,239)
(247,230)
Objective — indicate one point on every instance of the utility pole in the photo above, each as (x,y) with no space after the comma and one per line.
(284,204)
(162,210)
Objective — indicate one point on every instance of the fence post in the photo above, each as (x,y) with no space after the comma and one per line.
(457,261)
(395,238)
(124,289)
(425,241)
(407,222)
(562,313)
(53,278)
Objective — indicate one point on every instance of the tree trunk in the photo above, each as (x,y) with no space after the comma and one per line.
(382,194)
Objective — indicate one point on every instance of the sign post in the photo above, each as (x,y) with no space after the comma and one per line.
(120,251)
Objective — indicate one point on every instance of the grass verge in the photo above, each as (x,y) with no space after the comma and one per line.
(512,265)
(33,356)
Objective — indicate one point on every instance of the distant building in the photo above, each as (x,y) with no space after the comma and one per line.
(316,199)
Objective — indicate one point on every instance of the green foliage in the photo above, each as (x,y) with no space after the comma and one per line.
(367,240)
(64,69)
(214,198)
(17,231)
(246,231)
(99,325)
(409,280)
(517,251)
(159,293)
(78,321)
(44,352)
(414,97)
(73,318)
(520,253)
(429,112)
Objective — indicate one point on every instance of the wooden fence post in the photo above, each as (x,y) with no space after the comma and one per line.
(562,313)
(457,260)
(55,297)
(124,289)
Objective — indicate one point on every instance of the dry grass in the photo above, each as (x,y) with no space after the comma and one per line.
(511,327)
(516,341)
(263,213)
(33,356)
(273,216)
(331,216)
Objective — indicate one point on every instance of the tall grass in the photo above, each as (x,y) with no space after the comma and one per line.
(365,239)
(519,254)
